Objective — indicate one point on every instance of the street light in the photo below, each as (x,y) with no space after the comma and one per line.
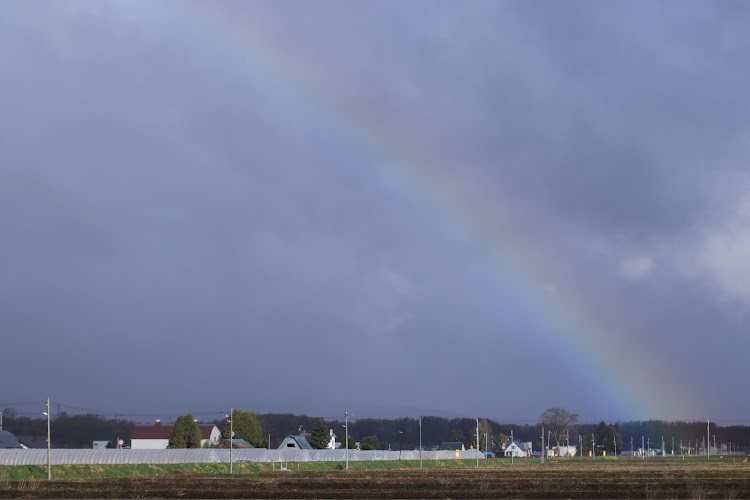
(401,443)
(49,443)
(231,436)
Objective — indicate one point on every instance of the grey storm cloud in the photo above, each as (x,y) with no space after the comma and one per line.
(190,220)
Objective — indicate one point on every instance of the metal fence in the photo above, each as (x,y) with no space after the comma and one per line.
(126,456)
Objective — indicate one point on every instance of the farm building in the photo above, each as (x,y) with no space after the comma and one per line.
(156,436)
(298,442)
(8,440)
(33,442)
(516,449)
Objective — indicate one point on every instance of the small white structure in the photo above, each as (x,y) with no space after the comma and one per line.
(156,437)
(565,451)
(99,444)
(518,450)
(332,444)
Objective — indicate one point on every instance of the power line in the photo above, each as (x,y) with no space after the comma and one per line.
(355,417)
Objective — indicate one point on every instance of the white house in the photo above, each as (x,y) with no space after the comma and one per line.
(156,436)
(518,450)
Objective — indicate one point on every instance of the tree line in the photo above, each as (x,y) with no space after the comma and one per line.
(69,431)
(79,431)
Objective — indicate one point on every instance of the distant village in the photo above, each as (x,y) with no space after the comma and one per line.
(558,434)
(564,437)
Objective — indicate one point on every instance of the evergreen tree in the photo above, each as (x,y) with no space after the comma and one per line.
(320,437)
(606,436)
(185,433)
(471,439)
(349,443)
(369,443)
(245,426)
(601,436)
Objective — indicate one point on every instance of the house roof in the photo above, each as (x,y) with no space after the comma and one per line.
(161,431)
(8,440)
(519,445)
(34,442)
(302,442)
(236,443)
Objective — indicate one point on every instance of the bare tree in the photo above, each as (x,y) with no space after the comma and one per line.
(558,420)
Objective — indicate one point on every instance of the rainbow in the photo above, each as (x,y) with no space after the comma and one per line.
(249,57)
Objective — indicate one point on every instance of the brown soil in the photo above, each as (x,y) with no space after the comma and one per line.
(632,479)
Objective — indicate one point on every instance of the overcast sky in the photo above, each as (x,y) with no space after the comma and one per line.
(391,208)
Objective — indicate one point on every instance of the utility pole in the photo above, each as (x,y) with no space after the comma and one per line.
(420,442)
(512,446)
(708,443)
(643,449)
(567,442)
(49,444)
(542,442)
(672,445)
(477,442)
(548,436)
(614,439)
(593,448)
(346,431)
(231,437)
